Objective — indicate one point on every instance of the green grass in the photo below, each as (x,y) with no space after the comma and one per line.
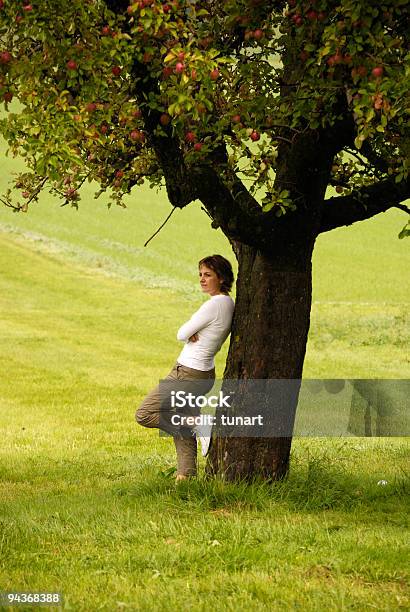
(88,505)
(87,501)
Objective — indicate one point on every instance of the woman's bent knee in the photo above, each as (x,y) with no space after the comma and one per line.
(148,411)
(143,418)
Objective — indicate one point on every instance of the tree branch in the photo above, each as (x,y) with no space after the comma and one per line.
(227,201)
(160,227)
(364,204)
(167,149)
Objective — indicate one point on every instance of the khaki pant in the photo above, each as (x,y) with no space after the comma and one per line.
(153,413)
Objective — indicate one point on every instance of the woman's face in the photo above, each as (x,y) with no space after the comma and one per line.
(210,281)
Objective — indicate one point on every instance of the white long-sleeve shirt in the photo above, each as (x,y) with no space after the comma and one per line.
(212,322)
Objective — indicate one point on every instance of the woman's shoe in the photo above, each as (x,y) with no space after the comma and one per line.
(204,435)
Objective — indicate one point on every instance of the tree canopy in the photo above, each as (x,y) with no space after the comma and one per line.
(192,92)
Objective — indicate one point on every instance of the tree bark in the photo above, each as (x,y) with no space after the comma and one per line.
(268,341)
(272,313)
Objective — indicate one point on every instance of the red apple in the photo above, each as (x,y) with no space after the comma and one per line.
(190,137)
(164,119)
(258,34)
(106,30)
(180,67)
(137,135)
(166,8)
(378,101)
(5,57)
(119,174)
(377,71)
(19,18)
(236,118)
(255,136)
(27,7)
(337,58)
(91,107)
(116,70)
(198,146)
(312,15)
(181,56)
(136,113)
(8,96)
(166,72)
(214,74)
(71,64)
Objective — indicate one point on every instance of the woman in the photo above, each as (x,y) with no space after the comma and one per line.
(203,336)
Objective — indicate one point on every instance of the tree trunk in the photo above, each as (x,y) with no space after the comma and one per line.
(268,341)
(272,313)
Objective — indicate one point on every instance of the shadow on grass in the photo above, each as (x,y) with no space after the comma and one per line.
(314,485)
(318,480)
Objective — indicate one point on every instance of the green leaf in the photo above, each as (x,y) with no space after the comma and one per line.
(267,207)
(358,141)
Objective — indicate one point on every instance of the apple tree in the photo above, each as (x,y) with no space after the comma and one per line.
(254,108)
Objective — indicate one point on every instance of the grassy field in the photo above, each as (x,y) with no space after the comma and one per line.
(88,506)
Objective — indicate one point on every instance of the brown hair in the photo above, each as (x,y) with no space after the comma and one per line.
(222,268)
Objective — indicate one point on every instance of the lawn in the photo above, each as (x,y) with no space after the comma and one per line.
(88,506)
